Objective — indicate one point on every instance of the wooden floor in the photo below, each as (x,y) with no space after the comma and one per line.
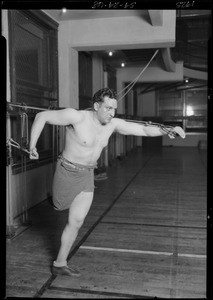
(145,235)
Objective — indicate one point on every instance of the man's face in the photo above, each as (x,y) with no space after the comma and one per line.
(106,110)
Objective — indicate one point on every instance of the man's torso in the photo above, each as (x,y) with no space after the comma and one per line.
(86,140)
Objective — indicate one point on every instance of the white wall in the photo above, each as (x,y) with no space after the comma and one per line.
(120,33)
(68,77)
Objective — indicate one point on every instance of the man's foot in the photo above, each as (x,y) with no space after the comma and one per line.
(65,271)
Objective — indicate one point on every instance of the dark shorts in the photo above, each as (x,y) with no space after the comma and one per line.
(70,180)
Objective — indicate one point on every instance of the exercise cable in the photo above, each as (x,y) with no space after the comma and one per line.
(131,84)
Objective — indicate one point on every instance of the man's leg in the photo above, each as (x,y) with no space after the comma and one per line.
(77,213)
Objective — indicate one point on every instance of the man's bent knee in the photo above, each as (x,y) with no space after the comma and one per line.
(80,207)
(75,222)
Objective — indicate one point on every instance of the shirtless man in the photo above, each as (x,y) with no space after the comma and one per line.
(87,133)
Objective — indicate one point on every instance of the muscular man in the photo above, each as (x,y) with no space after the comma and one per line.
(87,133)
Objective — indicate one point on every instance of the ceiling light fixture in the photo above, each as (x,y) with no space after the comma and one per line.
(64,10)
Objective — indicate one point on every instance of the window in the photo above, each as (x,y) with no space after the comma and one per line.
(170,105)
(186,108)
(34,78)
(196,111)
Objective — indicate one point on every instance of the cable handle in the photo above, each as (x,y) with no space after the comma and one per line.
(170,130)
(11,142)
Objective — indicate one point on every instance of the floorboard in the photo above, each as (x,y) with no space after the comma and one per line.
(153,203)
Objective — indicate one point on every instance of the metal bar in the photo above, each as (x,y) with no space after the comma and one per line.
(192,87)
(26,106)
(162,86)
(40,96)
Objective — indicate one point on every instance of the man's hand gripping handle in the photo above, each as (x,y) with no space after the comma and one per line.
(34,154)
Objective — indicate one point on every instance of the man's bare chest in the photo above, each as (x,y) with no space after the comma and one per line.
(89,135)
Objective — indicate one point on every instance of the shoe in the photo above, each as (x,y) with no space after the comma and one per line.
(65,271)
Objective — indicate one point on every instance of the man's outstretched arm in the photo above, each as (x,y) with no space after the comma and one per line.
(140,129)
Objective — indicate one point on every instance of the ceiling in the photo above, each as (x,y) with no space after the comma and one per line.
(193,29)
(192,35)
(79,14)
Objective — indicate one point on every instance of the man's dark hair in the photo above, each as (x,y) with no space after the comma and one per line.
(100,94)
